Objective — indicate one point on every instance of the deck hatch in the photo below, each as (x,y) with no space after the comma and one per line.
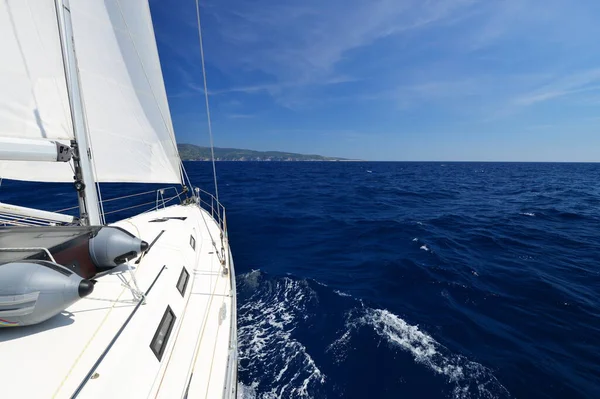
(161,336)
(183,280)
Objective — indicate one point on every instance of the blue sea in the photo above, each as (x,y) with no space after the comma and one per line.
(406,280)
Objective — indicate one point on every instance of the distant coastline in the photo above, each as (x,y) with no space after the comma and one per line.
(191,152)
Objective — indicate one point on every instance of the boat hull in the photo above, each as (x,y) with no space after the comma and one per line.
(181,340)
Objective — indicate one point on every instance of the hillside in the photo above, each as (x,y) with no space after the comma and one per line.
(191,152)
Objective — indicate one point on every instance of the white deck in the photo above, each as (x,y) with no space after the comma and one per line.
(52,359)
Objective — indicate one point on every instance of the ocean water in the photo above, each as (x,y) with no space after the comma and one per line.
(406,280)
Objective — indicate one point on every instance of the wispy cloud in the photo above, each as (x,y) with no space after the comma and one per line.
(240,116)
(288,49)
(563,86)
(461,62)
(304,42)
(389,79)
(271,88)
(291,49)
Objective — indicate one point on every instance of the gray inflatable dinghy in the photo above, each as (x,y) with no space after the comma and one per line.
(33,288)
(34,291)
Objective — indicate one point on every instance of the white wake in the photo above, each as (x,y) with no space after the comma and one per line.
(278,364)
(469,379)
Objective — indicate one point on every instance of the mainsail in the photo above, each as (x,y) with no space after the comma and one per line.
(33,92)
(129,123)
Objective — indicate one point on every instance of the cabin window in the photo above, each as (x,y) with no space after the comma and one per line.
(183,280)
(192,242)
(161,336)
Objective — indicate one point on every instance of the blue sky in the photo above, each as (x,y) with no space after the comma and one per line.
(514,80)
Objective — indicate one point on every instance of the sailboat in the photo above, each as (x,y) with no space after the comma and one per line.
(142,307)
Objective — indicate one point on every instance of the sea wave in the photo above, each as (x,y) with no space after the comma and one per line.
(279,365)
(469,379)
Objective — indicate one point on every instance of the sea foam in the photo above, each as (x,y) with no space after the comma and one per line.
(469,379)
(279,365)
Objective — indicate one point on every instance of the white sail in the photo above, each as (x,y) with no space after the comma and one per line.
(129,123)
(33,95)
(123,91)
(33,92)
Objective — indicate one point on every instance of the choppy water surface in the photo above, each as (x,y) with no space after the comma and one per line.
(389,280)
(457,280)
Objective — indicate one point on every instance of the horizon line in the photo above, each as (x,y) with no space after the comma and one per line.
(388,161)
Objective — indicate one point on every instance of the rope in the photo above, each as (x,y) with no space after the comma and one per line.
(131,207)
(164,203)
(43,222)
(136,293)
(67,209)
(188,180)
(126,301)
(210,235)
(212,147)
(129,196)
(115,199)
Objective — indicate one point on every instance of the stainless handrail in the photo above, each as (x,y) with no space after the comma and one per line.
(204,199)
(214,206)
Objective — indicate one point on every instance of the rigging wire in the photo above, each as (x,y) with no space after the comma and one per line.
(212,147)
(169,130)
(168,127)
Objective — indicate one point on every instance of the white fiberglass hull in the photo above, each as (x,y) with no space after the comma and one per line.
(181,342)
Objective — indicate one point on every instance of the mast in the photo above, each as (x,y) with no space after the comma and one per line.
(85,183)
